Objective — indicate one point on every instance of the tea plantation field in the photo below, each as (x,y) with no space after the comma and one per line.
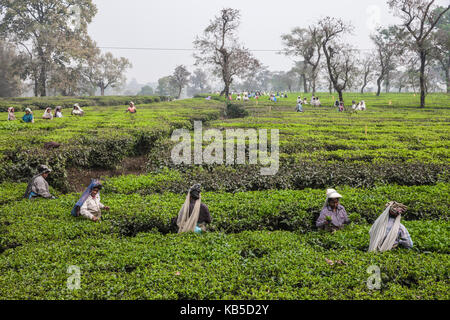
(262,242)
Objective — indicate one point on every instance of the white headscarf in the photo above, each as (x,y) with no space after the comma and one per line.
(185,222)
(379,241)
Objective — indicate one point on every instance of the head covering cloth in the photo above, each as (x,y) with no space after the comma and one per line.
(95,183)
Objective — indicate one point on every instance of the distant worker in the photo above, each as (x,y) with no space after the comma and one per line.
(193,215)
(47,114)
(361,106)
(38,186)
(333,215)
(11,115)
(318,104)
(77,111)
(58,112)
(28,116)
(131,108)
(387,232)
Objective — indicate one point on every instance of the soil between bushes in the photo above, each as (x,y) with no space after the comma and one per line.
(79,179)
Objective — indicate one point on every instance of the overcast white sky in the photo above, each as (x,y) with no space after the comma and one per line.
(175,24)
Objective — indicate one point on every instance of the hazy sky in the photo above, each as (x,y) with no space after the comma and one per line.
(176,23)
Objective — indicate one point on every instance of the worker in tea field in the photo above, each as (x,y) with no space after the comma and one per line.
(89,205)
(28,116)
(333,215)
(387,232)
(11,115)
(38,186)
(193,215)
(47,114)
(77,111)
(131,108)
(58,112)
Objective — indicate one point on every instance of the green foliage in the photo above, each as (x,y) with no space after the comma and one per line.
(262,242)
(235,111)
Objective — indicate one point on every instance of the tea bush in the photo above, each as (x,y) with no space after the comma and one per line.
(262,242)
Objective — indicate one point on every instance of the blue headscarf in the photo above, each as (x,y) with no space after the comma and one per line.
(76,209)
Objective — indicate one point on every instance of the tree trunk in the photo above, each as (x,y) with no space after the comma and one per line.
(36,87)
(340,96)
(422,78)
(387,83)
(364,85)
(41,82)
(379,86)
(447,78)
(314,86)
(102,89)
(305,84)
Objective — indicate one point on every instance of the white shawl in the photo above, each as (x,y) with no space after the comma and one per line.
(379,241)
(185,222)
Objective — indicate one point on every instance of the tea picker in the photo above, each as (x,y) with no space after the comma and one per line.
(38,186)
(387,232)
(193,215)
(333,215)
(89,205)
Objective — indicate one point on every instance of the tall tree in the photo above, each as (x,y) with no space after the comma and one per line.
(199,80)
(441,45)
(11,69)
(180,79)
(104,71)
(419,18)
(367,65)
(388,50)
(305,43)
(219,48)
(338,56)
(46,31)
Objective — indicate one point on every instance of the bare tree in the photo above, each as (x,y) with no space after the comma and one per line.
(305,43)
(367,64)
(419,19)
(388,50)
(219,48)
(179,79)
(338,56)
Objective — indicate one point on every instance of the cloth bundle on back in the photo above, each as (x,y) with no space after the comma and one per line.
(76,209)
(186,222)
(379,240)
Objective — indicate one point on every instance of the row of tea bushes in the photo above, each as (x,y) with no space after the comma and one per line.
(249,265)
(307,174)
(42,220)
(20,104)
